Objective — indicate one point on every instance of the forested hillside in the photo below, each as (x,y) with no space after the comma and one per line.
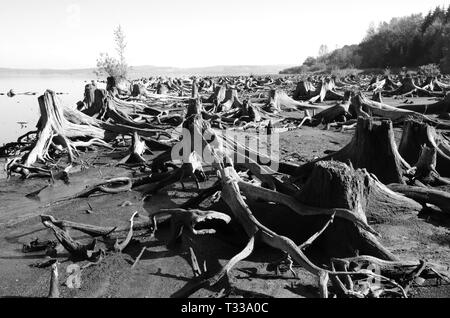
(409,41)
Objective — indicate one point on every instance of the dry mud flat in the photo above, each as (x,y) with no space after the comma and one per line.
(164,271)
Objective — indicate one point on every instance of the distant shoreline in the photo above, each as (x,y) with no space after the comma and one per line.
(144,71)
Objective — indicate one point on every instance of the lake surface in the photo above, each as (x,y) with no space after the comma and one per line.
(23,108)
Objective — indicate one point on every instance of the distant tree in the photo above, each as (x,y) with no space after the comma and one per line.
(111,66)
(121,44)
(323,50)
(447,15)
(426,22)
(371,31)
(438,13)
(445,61)
(310,61)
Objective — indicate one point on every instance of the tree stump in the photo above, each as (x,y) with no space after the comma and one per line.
(417,134)
(335,184)
(373,148)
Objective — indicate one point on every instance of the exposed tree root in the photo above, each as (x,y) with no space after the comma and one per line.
(77,250)
(92,230)
(401,274)
(423,195)
(54,282)
(188,219)
(112,186)
(201,282)
(119,247)
(137,150)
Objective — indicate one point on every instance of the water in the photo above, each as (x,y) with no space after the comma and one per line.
(23,108)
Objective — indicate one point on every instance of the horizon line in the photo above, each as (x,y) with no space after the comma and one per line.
(143,65)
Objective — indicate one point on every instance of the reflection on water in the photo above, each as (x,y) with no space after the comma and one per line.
(19,109)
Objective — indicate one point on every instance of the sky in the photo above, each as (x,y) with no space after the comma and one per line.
(69,34)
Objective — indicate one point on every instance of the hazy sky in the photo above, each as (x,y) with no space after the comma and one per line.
(187,33)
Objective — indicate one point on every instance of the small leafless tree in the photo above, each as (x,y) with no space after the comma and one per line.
(323,50)
(111,66)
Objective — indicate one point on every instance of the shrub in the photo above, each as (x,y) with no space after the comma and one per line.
(318,67)
(296,70)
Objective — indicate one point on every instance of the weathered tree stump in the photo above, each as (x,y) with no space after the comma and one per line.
(338,112)
(373,148)
(335,184)
(415,135)
(326,92)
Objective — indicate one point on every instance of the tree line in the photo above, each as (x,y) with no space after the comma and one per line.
(410,41)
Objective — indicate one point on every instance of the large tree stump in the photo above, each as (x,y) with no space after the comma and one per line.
(305,90)
(58,127)
(333,188)
(335,184)
(326,92)
(417,134)
(373,148)
(89,97)
(97,107)
(338,112)
(230,101)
